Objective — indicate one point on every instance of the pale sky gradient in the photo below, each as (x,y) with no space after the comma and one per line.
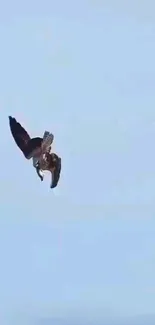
(84,70)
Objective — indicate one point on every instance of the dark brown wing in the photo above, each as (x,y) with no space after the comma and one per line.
(55,170)
(19,134)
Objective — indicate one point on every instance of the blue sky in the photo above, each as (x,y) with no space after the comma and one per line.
(86,72)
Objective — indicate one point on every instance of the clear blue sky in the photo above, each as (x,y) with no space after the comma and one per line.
(84,70)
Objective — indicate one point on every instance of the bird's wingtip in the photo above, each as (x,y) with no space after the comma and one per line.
(11,118)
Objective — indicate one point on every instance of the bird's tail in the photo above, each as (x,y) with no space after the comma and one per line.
(47,141)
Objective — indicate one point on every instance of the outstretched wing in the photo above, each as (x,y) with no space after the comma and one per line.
(19,134)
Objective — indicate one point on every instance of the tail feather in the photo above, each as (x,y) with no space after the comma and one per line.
(47,141)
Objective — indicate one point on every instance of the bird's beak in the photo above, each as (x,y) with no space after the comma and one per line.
(55,172)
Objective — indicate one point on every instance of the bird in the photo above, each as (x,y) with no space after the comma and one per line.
(38,149)
(30,147)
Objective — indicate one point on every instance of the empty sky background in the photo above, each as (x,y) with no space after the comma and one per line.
(84,70)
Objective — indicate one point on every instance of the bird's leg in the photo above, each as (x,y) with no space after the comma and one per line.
(36,165)
(39,172)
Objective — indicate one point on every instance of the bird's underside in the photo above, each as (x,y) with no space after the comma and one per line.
(51,163)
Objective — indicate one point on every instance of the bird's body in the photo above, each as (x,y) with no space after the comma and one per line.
(52,163)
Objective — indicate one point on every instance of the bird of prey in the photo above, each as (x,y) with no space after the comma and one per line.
(50,162)
(31,147)
(38,149)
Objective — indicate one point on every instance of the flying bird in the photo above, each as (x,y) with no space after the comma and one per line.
(31,147)
(38,149)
